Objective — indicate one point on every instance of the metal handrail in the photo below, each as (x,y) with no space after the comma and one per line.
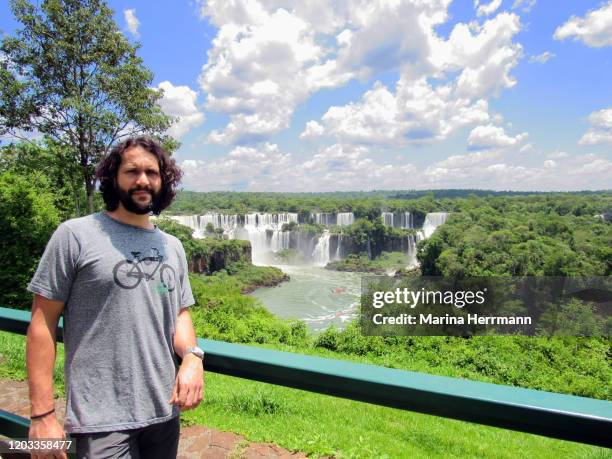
(550,414)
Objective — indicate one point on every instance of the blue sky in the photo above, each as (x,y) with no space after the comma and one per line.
(283,95)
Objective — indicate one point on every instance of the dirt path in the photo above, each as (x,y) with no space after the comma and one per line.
(196,441)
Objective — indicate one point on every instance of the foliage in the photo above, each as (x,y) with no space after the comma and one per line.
(70,74)
(55,162)
(289,256)
(208,254)
(28,217)
(360,263)
(222,312)
(522,236)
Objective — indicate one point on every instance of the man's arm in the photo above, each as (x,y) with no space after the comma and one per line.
(40,359)
(189,385)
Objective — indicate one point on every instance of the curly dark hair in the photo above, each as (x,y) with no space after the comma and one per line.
(107,170)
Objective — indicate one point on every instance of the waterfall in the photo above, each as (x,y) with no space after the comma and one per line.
(345,218)
(432,221)
(412,251)
(264,231)
(320,255)
(338,253)
(193,222)
(265,234)
(398,219)
(329,219)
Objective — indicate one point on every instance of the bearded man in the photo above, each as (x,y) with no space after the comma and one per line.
(122,287)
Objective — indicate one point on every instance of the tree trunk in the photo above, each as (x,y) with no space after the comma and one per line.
(89,185)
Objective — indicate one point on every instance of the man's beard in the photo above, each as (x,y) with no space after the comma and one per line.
(131,205)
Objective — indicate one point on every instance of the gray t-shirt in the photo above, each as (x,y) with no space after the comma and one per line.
(123,287)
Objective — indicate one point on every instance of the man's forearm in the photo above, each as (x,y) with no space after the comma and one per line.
(184,334)
(40,359)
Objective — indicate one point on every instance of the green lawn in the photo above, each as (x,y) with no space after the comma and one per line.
(324,425)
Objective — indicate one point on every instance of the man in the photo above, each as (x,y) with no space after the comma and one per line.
(122,286)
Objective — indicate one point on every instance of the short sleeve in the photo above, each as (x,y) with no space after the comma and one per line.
(58,266)
(186,294)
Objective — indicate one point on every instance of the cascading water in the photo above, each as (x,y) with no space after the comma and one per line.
(324,218)
(432,221)
(192,221)
(320,254)
(264,231)
(345,218)
(329,219)
(398,219)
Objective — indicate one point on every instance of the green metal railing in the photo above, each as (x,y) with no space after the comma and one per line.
(554,415)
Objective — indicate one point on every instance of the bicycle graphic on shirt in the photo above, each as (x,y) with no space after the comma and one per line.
(129,273)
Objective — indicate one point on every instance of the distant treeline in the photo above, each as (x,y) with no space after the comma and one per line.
(370,204)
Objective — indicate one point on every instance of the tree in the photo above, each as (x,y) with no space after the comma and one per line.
(52,160)
(70,74)
(28,217)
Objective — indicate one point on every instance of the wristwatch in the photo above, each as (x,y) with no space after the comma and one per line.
(195,350)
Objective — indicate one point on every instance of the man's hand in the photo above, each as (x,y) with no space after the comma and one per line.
(189,385)
(47,428)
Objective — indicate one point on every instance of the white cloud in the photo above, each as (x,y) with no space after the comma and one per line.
(569,173)
(526,5)
(336,167)
(258,68)
(595,29)
(269,56)
(181,103)
(558,155)
(132,21)
(419,110)
(353,167)
(267,59)
(486,9)
(601,128)
(416,113)
(469,160)
(312,130)
(541,58)
(489,137)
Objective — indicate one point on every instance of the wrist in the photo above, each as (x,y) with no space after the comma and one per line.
(41,416)
(194,351)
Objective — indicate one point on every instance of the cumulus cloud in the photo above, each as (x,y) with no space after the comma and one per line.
(569,173)
(541,58)
(595,29)
(132,22)
(355,167)
(421,110)
(268,59)
(180,102)
(601,128)
(489,137)
(258,68)
(312,130)
(335,167)
(486,9)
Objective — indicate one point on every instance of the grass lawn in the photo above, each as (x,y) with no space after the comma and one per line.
(324,425)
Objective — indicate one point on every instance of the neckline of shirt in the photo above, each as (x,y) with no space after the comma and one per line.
(147,230)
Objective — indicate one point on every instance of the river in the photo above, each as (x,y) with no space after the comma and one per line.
(315,295)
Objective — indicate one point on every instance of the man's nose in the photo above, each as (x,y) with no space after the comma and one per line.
(142,179)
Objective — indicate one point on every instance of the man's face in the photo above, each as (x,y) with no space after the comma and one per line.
(138,180)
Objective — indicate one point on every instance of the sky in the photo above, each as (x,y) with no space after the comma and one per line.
(289,95)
